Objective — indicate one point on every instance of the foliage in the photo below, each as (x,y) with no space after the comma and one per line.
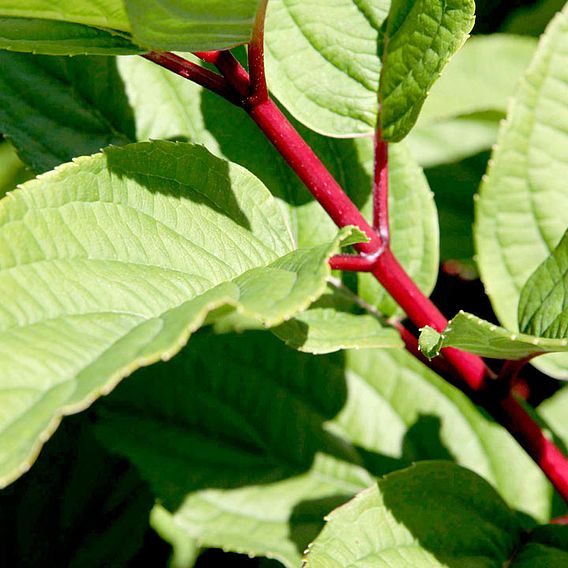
(146,217)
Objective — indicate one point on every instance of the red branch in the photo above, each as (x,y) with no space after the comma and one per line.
(375,255)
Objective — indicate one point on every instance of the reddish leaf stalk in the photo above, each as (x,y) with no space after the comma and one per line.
(381,189)
(195,73)
(376,255)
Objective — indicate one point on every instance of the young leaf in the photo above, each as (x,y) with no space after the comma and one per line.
(324,330)
(543,305)
(421,36)
(433,515)
(323,73)
(123,255)
(51,37)
(191,25)
(56,108)
(470,333)
(522,211)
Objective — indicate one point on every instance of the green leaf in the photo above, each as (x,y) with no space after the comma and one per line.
(421,36)
(414,229)
(522,212)
(56,108)
(543,305)
(192,25)
(452,140)
(231,437)
(431,515)
(118,259)
(553,410)
(393,430)
(470,333)
(323,73)
(250,453)
(329,326)
(110,14)
(469,85)
(78,507)
(51,37)
(191,112)
(545,546)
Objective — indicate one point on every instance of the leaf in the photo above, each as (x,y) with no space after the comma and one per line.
(108,14)
(61,38)
(191,112)
(249,453)
(325,75)
(192,25)
(543,305)
(56,108)
(393,430)
(329,326)
(546,546)
(454,187)
(118,259)
(414,236)
(79,506)
(522,211)
(470,333)
(452,140)
(553,410)
(433,515)
(236,425)
(420,38)
(12,171)
(463,87)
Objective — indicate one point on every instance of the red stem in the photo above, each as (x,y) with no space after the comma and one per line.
(531,437)
(381,189)
(386,268)
(194,73)
(259,90)
(234,73)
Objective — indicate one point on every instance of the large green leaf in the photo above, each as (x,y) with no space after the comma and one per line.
(52,37)
(250,453)
(191,25)
(470,333)
(56,108)
(112,261)
(433,515)
(523,208)
(79,507)
(184,25)
(326,75)
(421,36)
(189,111)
